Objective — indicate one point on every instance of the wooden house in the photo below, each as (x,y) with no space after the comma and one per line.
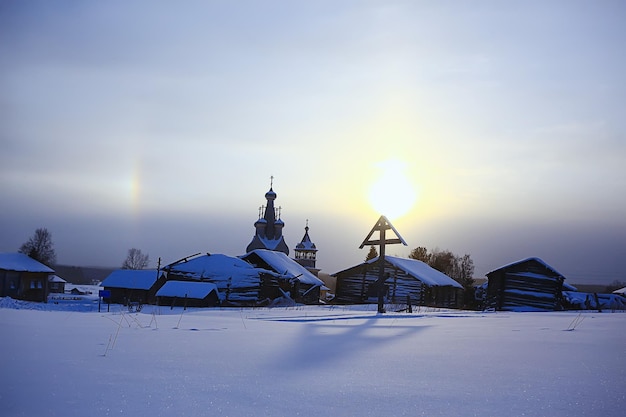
(405,277)
(133,285)
(528,284)
(237,281)
(188,294)
(295,280)
(23,278)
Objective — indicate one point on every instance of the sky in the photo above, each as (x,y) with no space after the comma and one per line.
(495,128)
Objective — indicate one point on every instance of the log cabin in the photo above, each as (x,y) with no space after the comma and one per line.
(404,278)
(527,285)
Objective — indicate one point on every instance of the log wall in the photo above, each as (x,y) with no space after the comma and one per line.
(356,286)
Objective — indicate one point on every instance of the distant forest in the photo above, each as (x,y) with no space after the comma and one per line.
(82,275)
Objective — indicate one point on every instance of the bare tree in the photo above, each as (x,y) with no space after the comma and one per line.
(40,247)
(466,271)
(136,259)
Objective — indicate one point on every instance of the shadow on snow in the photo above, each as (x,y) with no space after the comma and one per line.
(325,341)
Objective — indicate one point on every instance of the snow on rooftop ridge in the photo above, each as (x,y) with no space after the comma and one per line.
(271,244)
(22,263)
(306,244)
(55,278)
(620,291)
(189,289)
(284,265)
(137,279)
(215,264)
(532,258)
(218,267)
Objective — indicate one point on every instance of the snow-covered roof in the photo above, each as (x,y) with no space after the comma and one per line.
(620,291)
(55,278)
(305,243)
(136,279)
(418,269)
(187,289)
(569,287)
(425,273)
(270,243)
(286,266)
(306,246)
(538,260)
(216,267)
(21,263)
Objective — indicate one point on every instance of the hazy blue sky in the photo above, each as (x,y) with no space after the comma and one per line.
(157,125)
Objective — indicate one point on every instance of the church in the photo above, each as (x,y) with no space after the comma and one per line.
(269,234)
(269,228)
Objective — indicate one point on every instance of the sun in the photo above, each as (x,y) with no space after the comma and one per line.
(392,194)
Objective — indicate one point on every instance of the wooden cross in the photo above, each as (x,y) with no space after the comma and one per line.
(381,226)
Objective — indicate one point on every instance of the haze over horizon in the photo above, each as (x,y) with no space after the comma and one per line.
(498,128)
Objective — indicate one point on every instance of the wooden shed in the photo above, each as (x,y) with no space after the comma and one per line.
(133,285)
(23,278)
(188,294)
(56,284)
(528,284)
(405,277)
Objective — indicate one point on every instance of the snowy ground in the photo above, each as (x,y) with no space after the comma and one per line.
(308,361)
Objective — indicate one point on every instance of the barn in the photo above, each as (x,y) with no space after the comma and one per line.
(133,285)
(405,278)
(295,279)
(237,281)
(23,278)
(526,285)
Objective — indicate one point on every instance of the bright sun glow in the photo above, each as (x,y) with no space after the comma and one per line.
(392,195)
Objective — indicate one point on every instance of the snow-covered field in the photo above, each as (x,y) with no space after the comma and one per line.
(308,361)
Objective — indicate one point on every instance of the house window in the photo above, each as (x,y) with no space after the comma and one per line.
(32,285)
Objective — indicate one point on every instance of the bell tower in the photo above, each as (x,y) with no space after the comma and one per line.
(306,252)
